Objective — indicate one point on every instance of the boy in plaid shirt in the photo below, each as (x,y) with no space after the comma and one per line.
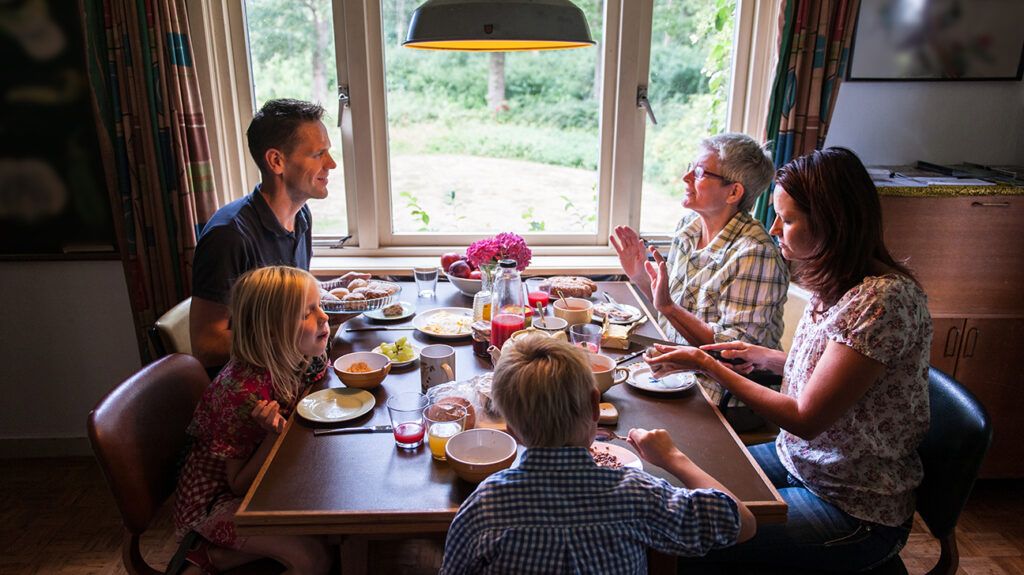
(558,512)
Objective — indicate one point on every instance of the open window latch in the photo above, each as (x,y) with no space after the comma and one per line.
(340,244)
(343,102)
(643,102)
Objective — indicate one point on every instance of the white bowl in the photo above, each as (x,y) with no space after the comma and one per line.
(379,364)
(477,453)
(468,287)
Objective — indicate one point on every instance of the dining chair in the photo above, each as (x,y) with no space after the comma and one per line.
(951,452)
(138,435)
(170,333)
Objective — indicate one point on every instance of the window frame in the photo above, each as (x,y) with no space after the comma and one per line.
(220,41)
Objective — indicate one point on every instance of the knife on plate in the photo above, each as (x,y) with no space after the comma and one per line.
(649,341)
(380,328)
(370,429)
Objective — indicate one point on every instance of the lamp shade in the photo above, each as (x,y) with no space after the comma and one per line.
(498,26)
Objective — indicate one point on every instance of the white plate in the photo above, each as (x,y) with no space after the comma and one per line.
(423,320)
(415,355)
(627,457)
(336,404)
(634,313)
(408,310)
(642,378)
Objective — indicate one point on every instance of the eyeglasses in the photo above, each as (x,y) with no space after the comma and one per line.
(700,173)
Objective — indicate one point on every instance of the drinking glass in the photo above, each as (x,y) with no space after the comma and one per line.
(406,411)
(586,335)
(443,421)
(426,280)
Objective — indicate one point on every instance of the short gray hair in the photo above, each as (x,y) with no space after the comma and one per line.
(542,387)
(743,160)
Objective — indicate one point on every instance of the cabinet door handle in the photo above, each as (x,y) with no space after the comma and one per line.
(952,342)
(990,204)
(970,341)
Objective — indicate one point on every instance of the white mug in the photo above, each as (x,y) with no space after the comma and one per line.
(437,365)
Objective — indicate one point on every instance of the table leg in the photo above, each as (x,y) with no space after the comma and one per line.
(354,555)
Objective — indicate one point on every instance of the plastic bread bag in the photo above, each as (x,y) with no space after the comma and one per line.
(473,394)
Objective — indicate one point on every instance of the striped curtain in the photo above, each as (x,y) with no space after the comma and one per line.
(814,50)
(154,145)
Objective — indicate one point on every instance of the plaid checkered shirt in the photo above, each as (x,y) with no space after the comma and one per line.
(737,284)
(558,512)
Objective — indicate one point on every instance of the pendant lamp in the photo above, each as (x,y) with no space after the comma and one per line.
(498,26)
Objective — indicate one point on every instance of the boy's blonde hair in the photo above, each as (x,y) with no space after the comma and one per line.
(543,388)
(266,312)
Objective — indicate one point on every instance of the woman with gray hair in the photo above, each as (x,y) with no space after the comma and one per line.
(724,278)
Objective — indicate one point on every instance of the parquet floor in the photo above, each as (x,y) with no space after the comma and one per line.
(57,517)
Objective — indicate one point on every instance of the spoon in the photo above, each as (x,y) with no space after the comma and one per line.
(607,435)
(562,298)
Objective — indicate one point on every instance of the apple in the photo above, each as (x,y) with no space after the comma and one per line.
(460,269)
(474,275)
(449,258)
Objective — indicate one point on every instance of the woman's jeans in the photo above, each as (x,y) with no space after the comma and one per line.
(817,535)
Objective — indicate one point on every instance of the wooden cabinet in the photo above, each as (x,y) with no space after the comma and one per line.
(984,354)
(968,253)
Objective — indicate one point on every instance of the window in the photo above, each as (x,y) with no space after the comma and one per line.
(291,50)
(691,52)
(440,148)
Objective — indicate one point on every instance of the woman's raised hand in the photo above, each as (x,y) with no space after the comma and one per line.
(267,415)
(657,271)
(631,252)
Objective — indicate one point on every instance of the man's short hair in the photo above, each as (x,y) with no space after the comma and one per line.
(543,388)
(743,160)
(276,126)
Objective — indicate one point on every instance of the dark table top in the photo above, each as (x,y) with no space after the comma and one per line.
(362,483)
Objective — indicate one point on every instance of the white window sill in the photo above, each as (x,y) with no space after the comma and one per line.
(329,266)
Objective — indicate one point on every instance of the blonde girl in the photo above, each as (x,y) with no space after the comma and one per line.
(279,339)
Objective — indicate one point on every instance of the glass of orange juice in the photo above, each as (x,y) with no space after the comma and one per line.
(443,421)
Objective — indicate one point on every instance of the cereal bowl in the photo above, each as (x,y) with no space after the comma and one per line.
(477,453)
(378,366)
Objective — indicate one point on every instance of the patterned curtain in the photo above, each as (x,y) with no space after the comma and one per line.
(814,49)
(154,146)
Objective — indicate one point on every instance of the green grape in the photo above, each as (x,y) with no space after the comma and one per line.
(400,343)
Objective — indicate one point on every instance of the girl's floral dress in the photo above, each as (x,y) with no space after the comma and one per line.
(222,428)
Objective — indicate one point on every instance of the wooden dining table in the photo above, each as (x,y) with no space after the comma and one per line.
(364,487)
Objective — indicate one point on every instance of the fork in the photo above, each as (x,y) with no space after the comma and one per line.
(607,435)
(616,305)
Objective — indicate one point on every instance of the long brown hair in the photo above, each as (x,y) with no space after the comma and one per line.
(834,189)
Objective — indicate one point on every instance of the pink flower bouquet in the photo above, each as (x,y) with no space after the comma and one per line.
(505,245)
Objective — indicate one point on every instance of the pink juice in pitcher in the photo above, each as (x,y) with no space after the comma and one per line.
(503,326)
(409,433)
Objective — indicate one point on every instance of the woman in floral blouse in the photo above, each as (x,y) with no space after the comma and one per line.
(854,401)
(279,338)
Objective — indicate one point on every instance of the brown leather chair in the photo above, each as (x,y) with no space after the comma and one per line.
(170,333)
(138,435)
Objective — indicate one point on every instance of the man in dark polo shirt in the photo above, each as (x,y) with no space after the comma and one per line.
(270,226)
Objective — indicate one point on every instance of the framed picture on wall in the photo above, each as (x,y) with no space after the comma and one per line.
(938,40)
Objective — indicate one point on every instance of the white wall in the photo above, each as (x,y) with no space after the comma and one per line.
(66,338)
(888,123)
